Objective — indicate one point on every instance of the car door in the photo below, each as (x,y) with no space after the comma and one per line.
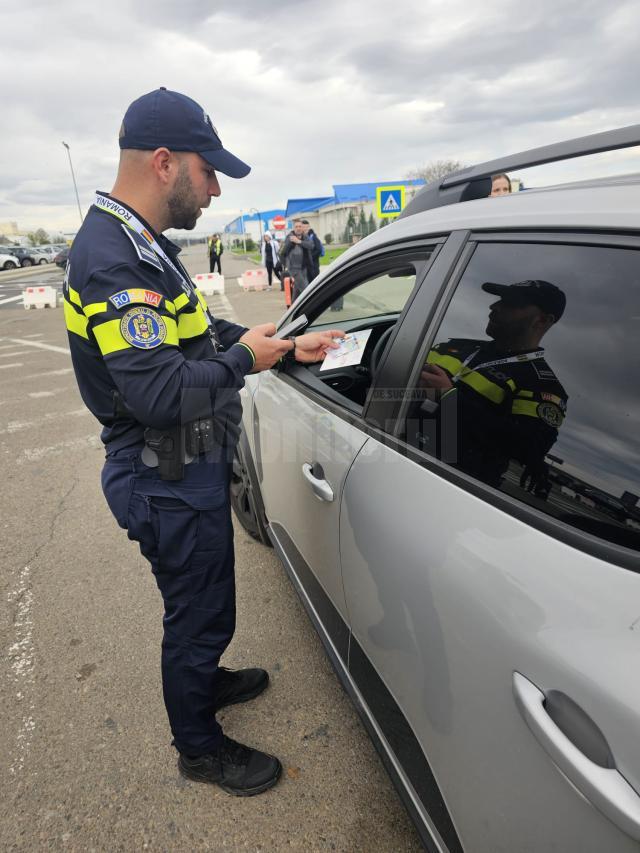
(497,626)
(308,427)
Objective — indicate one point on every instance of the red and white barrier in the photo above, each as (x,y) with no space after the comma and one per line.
(255,279)
(209,282)
(39,297)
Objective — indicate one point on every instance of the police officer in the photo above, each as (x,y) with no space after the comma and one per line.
(498,400)
(162,377)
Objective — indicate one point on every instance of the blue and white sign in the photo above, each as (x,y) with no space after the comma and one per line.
(389,201)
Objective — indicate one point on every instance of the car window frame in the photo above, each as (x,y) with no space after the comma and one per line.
(589,543)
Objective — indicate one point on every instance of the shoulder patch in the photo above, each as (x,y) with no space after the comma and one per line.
(543,370)
(143,328)
(144,253)
(133,295)
(550,414)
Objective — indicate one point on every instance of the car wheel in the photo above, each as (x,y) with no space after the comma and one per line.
(43,261)
(26,262)
(245,498)
(9,265)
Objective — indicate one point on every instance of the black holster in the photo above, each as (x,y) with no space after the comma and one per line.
(168,445)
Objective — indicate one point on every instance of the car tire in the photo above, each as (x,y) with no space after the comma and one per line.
(9,265)
(26,262)
(43,261)
(246,500)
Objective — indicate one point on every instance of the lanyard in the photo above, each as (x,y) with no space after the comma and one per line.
(120,212)
(125,215)
(522,357)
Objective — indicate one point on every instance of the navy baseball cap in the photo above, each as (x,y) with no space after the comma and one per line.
(548,297)
(165,119)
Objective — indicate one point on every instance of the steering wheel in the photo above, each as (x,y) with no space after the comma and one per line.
(378,349)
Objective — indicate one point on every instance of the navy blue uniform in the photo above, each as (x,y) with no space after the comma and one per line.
(139,328)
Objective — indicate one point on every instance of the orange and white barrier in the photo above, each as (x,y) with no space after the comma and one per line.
(255,279)
(209,282)
(43,296)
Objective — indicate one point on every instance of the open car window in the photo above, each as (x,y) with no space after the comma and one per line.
(367,300)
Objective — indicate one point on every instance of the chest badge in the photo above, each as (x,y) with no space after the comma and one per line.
(143,328)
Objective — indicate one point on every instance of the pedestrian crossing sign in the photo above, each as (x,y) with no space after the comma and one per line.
(390,201)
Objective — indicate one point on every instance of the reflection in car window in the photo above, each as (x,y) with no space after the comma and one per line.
(536,397)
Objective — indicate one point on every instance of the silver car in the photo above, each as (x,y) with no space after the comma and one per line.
(458,507)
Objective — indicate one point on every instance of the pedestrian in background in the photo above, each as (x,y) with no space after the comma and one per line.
(270,258)
(500,185)
(316,253)
(215,253)
(296,255)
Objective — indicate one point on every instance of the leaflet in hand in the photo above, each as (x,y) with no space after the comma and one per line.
(350,351)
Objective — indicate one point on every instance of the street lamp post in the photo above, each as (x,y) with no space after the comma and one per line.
(257,212)
(75,186)
(244,245)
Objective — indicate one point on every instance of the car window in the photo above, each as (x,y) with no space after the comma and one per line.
(384,293)
(371,302)
(544,408)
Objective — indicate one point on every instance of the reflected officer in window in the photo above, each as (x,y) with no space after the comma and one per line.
(499,399)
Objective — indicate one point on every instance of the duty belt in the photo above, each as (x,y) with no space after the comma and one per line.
(170,450)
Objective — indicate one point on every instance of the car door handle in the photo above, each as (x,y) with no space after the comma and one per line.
(321,488)
(604,787)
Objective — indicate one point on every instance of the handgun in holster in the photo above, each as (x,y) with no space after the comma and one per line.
(168,445)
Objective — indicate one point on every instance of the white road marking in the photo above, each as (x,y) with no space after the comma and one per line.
(62,372)
(16,426)
(37,335)
(36,394)
(21,658)
(10,299)
(14,353)
(34,454)
(16,364)
(38,344)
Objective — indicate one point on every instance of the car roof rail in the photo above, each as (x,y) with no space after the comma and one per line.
(475,181)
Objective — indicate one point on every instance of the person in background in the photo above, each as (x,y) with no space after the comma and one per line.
(295,257)
(215,252)
(500,185)
(313,268)
(270,259)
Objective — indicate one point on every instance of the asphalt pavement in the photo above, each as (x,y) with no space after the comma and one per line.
(86,746)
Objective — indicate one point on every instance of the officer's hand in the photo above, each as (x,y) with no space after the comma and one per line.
(266,349)
(315,345)
(432,376)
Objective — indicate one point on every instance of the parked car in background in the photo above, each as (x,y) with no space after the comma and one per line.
(49,251)
(7,261)
(27,257)
(458,505)
(62,257)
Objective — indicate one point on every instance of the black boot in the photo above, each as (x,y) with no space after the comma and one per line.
(237,769)
(240,685)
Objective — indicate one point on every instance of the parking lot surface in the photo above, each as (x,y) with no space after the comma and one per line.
(85,746)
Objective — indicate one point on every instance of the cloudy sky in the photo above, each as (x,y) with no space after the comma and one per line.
(309,93)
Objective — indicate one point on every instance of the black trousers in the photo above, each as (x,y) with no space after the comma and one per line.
(214,260)
(184,530)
